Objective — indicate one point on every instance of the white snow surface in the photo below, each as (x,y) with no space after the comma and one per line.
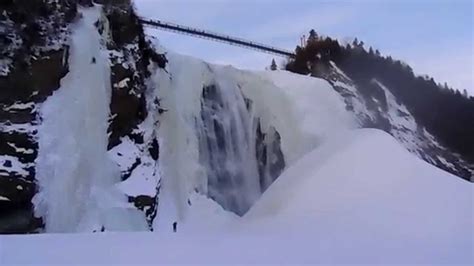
(4,198)
(358,198)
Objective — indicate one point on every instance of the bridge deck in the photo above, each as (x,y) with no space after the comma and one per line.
(216,36)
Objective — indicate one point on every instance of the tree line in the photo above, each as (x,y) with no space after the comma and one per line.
(445,112)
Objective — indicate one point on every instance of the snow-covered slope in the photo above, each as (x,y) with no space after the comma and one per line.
(376,107)
(364,195)
(316,212)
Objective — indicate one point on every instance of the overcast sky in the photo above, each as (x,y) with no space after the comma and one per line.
(434,36)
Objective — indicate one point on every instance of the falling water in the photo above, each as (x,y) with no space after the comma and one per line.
(227,148)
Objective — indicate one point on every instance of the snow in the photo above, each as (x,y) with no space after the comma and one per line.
(19,106)
(377,209)
(405,129)
(142,180)
(123,83)
(4,198)
(12,165)
(355,100)
(17,128)
(125,154)
(391,208)
(346,196)
(19,149)
(339,71)
(317,111)
(75,174)
(445,162)
(278,99)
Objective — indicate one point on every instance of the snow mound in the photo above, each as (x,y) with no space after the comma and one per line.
(366,197)
(358,198)
(317,111)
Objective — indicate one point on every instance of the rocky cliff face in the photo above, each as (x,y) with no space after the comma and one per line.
(376,107)
(131,55)
(35,36)
(37,62)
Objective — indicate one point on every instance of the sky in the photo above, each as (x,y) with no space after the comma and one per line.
(435,37)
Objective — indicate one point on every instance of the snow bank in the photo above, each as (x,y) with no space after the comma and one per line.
(363,195)
(312,112)
(393,208)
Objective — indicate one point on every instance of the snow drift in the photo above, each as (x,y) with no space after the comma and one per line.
(316,212)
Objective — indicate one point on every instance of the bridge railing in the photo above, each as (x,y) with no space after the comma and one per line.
(215,36)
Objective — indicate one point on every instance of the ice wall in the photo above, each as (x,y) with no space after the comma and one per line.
(75,175)
(209,137)
(227,141)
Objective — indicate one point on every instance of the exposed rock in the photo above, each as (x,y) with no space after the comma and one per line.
(19,220)
(271,161)
(154,149)
(35,35)
(148,205)
(21,145)
(377,107)
(131,56)
(28,82)
(33,60)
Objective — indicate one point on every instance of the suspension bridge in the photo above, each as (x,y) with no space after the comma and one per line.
(205,34)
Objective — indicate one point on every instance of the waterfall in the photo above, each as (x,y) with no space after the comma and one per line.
(227,141)
(216,137)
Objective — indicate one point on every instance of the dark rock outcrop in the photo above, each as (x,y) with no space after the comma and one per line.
(34,58)
(131,56)
(270,159)
(373,98)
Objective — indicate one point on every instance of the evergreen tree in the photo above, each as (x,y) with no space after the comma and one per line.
(442,111)
(371,51)
(313,36)
(273,66)
(355,43)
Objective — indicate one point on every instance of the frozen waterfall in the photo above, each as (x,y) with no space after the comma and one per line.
(227,137)
(213,137)
(75,175)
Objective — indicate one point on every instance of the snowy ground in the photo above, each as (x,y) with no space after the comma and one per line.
(393,208)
